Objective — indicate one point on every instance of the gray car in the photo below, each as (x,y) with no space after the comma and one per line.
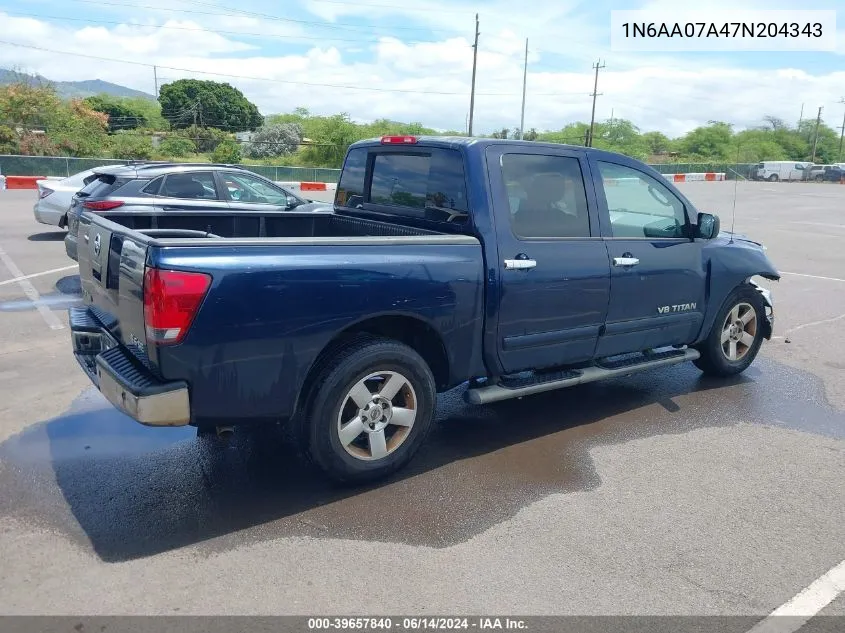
(180,196)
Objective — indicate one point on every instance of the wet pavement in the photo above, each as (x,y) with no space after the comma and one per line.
(662,492)
(136,491)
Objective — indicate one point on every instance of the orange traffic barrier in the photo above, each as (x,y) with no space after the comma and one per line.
(312,186)
(23,182)
(679,178)
(709,176)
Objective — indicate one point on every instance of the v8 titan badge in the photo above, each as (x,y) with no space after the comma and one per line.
(97,245)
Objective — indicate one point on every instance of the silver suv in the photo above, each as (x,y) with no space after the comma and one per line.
(144,193)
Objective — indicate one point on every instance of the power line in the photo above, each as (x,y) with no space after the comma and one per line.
(205,30)
(266,16)
(266,79)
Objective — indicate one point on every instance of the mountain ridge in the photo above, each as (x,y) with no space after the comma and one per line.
(75,89)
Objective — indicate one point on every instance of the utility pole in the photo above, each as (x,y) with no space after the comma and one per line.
(816,137)
(841,132)
(155,77)
(474,65)
(598,65)
(524,84)
(801,117)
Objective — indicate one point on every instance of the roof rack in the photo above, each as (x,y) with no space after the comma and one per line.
(150,164)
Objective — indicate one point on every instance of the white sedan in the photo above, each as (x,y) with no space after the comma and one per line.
(54,197)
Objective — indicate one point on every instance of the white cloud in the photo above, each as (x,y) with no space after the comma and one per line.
(656,92)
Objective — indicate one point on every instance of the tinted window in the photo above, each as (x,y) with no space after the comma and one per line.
(197,185)
(546,196)
(350,189)
(247,188)
(639,205)
(428,184)
(154,186)
(100,185)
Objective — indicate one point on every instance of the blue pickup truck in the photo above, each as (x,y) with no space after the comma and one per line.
(509,267)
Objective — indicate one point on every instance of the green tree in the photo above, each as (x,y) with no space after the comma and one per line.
(710,142)
(131,146)
(122,115)
(656,142)
(206,138)
(328,140)
(8,140)
(177,147)
(209,103)
(227,152)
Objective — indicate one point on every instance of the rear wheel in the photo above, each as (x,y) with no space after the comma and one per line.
(736,335)
(371,410)
(773,178)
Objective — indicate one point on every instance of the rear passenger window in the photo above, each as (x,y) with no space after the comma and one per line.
(350,189)
(190,186)
(429,185)
(546,195)
(153,188)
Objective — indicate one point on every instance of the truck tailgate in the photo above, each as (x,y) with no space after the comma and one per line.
(111,272)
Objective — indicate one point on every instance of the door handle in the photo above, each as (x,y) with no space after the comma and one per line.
(520,264)
(625,261)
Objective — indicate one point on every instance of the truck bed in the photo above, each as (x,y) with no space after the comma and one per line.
(258,225)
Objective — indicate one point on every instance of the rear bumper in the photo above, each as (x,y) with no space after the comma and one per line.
(46,215)
(124,382)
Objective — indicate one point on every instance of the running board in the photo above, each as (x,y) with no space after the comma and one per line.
(607,369)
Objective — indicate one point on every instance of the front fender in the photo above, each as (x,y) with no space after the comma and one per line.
(729,265)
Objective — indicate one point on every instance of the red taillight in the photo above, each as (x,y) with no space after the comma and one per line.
(44,192)
(102,205)
(398,140)
(171,300)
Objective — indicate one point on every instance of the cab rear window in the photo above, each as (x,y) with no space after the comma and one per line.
(425,183)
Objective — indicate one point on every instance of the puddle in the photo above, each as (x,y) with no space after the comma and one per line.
(131,491)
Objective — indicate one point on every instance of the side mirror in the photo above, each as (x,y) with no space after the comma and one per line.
(292,202)
(708,226)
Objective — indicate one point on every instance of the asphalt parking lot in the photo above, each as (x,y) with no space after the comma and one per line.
(662,493)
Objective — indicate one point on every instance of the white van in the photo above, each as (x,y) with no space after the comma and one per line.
(774,170)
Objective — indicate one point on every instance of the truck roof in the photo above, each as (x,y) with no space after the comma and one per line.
(482,143)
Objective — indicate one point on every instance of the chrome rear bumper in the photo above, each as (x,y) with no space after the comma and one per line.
(124,382)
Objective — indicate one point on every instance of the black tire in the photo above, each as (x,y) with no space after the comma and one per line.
(773,178)
(714,360)
(331,403)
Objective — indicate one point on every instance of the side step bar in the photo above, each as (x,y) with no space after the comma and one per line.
(609,369)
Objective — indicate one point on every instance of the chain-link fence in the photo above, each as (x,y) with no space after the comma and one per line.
(62,166)
(67,166)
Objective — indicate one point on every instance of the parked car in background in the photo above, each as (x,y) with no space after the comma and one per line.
(54,197)
(774,170)
(833,173)
(180,196)
(816,172)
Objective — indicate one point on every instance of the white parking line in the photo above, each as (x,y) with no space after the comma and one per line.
(794,614)
(31,293)
(41,274)
(812,276)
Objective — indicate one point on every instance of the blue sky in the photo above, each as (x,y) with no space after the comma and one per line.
(415,59)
